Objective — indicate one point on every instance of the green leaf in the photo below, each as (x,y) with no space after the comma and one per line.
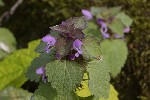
(99,78)
(40,61)
(113,94)
(7,42)
(11,93)
(107,13)
(126,20)
(115,52)
(72,96)
(64,75)
(97,10)
(3,54)
(80,22)
(1,3)
(85,94)
(54,34)
(63,46)
(41,47)
(114,10)
(93,30)
(116,26)
(44,92)
(90,48)
(12,68)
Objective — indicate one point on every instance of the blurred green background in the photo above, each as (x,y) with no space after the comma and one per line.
(32,20)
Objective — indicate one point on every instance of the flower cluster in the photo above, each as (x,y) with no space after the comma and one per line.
(68,33)
(103,24)
(50,40)
(41,71)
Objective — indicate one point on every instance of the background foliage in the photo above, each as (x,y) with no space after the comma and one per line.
(32,18)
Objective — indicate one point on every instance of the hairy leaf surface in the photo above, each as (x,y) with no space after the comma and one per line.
(90,48)
(93,30)
(64,75)
(115,52)
(72,27)
(44,92)
(99,78)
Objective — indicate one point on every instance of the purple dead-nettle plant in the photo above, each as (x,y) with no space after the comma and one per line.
(70,36)
(41,71)
(70,28)
(103,29)
(87,14)
(50,40)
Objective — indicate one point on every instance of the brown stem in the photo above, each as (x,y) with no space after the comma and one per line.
(10,12)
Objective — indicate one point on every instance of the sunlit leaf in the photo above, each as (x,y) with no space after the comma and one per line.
(7,42)
(13,67)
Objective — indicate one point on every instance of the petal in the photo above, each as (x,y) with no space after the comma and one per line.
(80,52)
(57,56)
(100,21)
(77,44)
(105,35)
(104,29)
(118,36)
(126,30)
(72,57)
(87,14)
(40,70)
(49,39)
(77,54)
(47,49)
(44,78)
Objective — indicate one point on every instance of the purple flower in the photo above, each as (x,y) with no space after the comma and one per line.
(41,71)
(72,57)
(77,46)
(118,36)
(57,56)
(87,14)
(50,40)
(126,30)
(104,28)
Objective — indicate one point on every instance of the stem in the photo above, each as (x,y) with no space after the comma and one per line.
(10,12)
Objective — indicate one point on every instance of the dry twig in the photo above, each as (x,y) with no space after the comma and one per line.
(7,14)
